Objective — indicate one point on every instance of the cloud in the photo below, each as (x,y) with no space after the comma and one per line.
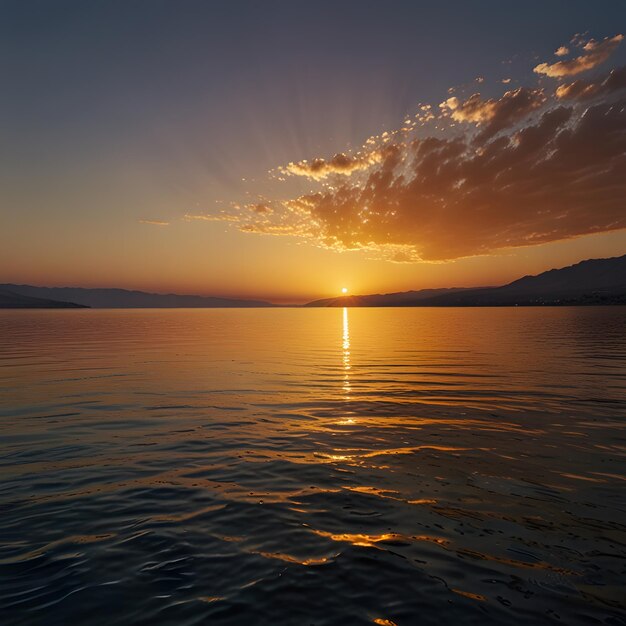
(341,163)
(594,54)
(498,114)
(209,217)
(262,208)
(480,175)
(557,178)
(154,222)
(584,89)
(562,51)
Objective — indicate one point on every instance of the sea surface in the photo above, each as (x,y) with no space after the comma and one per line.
(313,466)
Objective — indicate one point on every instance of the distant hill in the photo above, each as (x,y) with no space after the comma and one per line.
(12,300)
(400,298)
(596,281)
(124,299)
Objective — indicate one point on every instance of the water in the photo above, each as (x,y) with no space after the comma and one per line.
(325,466)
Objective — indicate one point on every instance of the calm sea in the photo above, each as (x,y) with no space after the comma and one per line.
(313,466)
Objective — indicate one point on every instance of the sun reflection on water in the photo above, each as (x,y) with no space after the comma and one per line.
(346,355)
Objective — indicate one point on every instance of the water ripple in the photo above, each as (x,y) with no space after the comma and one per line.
(362,466)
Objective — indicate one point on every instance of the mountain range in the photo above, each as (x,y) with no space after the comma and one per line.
(595,281)
(12,300)
(62,297)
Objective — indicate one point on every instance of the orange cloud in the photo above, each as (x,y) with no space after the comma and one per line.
(208,217)
(595,53)
(558,178)
(154,222)
(533,171)
(498,114)
(341,163)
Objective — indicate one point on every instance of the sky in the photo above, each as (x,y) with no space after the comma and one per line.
(283,150)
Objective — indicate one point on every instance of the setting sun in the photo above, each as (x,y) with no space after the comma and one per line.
(344,290)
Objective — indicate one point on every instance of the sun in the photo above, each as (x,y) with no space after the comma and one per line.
(344,290)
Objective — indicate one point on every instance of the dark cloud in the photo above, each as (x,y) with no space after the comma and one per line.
(584,89)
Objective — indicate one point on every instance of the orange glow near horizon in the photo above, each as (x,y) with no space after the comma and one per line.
(175,260)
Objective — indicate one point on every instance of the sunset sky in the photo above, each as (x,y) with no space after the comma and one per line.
(284,150)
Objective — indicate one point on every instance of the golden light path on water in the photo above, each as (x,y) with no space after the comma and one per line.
(346,353)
